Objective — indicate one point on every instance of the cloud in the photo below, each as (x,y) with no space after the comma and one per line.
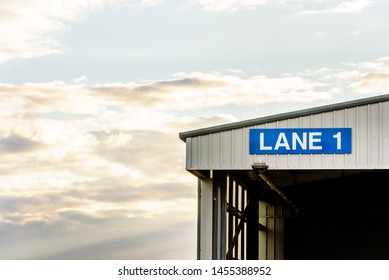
(149,3)
(344,7)
(102,238)
(356,32)
(189,91)
(18,144)
(372,83)
(228,5)
(373,77)
(303,7)
(27,27)
(364,78)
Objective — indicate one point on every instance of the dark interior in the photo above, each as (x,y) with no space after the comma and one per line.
(345,217)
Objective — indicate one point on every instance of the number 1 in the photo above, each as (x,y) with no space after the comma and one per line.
(338,137)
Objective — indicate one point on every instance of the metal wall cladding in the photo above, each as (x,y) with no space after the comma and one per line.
(370,143)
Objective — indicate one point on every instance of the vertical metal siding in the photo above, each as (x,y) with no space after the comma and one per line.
(374,135)
(384,135)
(226,149)
(189,156)
(370,143)
(215,149)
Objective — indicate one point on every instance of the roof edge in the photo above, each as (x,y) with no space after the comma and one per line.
(283,116)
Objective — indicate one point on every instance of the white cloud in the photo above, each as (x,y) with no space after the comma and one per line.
(189,91)
(344,7)
(303,7)
(228,5)
(148,3)
(373,77)
(379,65)
(356,32)
(372,83)
(27,27)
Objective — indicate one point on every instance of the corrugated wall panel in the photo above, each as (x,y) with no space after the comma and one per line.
(247,159)
(204,152)
(362,136)
(384,128)
(195,152)
(237,151)
(215,150)
(370,143)
(226,149)
(188,159)
(351,121)
(374,135)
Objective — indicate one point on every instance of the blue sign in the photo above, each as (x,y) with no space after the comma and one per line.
(300,141)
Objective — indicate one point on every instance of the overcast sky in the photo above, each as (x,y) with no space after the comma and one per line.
(93,94)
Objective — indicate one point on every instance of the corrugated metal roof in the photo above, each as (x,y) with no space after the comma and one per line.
(278,117)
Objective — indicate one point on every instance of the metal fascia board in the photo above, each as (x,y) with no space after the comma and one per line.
(283,116)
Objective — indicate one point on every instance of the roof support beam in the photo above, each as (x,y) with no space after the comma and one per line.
(260,170)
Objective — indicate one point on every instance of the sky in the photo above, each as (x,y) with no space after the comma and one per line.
(94,93)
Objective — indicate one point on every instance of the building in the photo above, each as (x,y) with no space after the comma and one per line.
(310,184)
